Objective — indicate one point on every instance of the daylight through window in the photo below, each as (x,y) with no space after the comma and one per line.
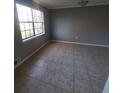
(31,21)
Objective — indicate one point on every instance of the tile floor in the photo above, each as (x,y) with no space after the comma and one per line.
(64,68)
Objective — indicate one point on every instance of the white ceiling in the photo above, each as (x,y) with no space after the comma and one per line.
(55,4)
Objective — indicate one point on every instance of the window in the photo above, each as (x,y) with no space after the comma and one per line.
(31,21)
(38,19)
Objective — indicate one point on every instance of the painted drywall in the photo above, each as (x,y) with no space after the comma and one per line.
(24,49)
(82,25)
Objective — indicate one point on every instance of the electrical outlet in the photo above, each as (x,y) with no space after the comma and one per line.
(17,60)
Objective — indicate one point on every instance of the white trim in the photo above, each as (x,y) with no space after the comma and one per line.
(80,43)
(30,55)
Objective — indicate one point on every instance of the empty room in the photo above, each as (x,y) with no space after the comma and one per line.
(61,46)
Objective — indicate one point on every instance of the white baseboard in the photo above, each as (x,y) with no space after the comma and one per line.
(80,43)
(30,55)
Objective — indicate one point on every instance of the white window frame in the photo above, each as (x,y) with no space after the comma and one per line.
(34,22)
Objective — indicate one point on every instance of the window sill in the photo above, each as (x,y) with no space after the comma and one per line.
(25,40)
